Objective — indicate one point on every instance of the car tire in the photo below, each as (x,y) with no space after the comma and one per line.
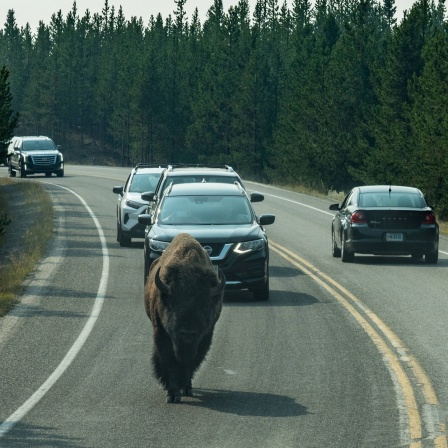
(47,174)
(262,293)
(118,232)
(432,257)
(336,252)
(346,255)
(22,170)
(123,240)
(60,173)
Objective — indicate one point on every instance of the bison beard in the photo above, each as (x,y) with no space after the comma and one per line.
(183,299)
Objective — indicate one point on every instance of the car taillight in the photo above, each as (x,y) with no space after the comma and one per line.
(358,218)
(429,218)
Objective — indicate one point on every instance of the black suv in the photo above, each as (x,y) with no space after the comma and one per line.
(32,155)
(220,216)
(181,174)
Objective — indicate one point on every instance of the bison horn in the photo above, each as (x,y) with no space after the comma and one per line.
(220,286)
(160,285)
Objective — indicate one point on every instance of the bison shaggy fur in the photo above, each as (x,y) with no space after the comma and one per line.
(183,299)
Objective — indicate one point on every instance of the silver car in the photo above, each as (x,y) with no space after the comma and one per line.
(143,178)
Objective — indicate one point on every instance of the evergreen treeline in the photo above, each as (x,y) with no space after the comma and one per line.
(326,94)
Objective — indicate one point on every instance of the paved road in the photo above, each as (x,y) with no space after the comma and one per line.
(342,355)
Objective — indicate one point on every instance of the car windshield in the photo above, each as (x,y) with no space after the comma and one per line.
(38,145)
(205,210)
(392,199)
(142,182)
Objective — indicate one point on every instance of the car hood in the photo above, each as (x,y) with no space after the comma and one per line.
(43,152)
(209,234)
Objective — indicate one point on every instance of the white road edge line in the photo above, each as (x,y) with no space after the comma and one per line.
(20,413)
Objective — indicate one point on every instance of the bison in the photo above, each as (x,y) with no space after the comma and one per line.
(183,300)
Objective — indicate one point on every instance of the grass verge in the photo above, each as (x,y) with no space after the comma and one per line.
(31,227)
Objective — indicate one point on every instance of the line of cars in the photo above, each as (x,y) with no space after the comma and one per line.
(211,203)
(206,201)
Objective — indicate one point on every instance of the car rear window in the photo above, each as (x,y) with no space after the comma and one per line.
(391,200)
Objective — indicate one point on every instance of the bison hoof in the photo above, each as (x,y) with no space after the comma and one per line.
(172,398)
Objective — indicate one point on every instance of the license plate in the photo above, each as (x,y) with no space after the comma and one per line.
(394,237)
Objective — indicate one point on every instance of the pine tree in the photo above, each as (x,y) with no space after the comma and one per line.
(8,119)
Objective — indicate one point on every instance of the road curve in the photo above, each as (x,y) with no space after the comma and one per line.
(341,355)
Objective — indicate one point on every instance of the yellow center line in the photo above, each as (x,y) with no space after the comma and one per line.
(393,361)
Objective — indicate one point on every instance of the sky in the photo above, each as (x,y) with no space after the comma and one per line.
(32,11)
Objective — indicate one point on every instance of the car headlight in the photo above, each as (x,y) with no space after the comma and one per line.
(134,204)
(158,246)
(249,246)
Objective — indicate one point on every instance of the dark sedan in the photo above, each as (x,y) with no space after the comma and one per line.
(385,220)
(221,218)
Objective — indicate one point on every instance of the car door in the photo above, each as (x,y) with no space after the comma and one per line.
(15,157)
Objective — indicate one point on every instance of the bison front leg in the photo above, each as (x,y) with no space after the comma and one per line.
(174,393)
(185,379)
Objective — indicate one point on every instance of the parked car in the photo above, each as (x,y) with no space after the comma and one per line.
(221,218)
(34,155)
(143,177)
(180,174)
(385,220)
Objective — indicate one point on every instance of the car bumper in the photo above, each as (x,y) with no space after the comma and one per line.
(130,226)
(241,272)
(32,168)
(372,241)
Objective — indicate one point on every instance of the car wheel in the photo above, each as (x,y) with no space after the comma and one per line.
(60,173)
(261,293)
(22,170)
(346,255)
(432,257)
(47,174)
(336,252)
(124,240)
(118,232)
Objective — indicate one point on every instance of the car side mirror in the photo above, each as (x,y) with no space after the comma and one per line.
(256,197)
(145,219)
(266,219)
(334,207)
(149,196)
(118,190)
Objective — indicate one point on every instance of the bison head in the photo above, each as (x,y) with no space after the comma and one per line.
(192,302)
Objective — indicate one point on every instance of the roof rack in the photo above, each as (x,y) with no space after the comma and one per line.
(149,165)
(199,165)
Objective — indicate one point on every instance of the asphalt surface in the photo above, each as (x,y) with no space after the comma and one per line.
(342,355)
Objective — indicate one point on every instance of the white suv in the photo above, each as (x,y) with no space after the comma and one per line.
(33,155)
(143,178)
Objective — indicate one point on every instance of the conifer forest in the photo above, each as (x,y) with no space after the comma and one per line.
(326,94)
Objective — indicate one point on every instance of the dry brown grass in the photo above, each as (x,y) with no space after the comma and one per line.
(31,227)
